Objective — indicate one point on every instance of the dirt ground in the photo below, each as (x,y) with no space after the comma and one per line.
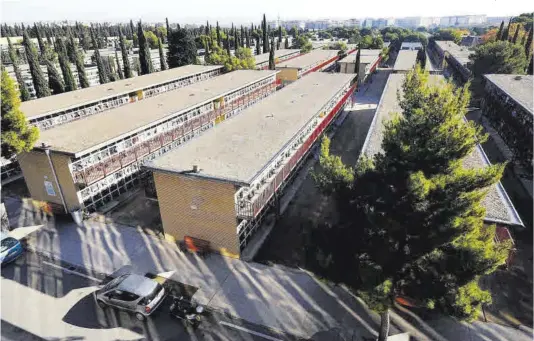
(138,211)
(308,207)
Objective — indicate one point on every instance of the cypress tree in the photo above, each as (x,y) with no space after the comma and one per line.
(55,82)
(529,68)
(110,68)
(119,69)
(236,40)
(70,84)
(279,36)
(357,64)
(500,31)
(102,75)
(144,51)
(271,56)
(24,93)
(207,29)
(218,29)
(265,35)
(242,36)
(258,51)
(506,31)
(248,38)
(48,36)
(39,38)
(516,35)
(528,45)
(124,53)
(228,45)
(80,68)
(286,44)
(39,82)
(168,29)
(132,30)
(162,60)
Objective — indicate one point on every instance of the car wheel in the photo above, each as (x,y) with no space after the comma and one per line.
(140,316)
(101,304)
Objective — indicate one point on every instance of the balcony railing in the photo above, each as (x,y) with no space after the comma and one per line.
(90,174)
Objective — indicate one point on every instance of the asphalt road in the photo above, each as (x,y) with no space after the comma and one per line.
(44,300)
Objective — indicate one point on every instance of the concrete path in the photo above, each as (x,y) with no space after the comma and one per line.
(285,299)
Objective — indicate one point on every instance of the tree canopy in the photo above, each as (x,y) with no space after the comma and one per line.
(182,49)
(411,217)
(17,135)
(498,57)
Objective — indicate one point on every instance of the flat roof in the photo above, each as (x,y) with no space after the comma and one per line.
(73,99)
(95,131)
(264,57)
(239,149)
(517,87)
(460,53)
(367,53)
(499,207)
(308,59)
(411,44)
(406,60)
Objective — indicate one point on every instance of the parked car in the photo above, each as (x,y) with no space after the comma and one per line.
(11,249)
(131,292)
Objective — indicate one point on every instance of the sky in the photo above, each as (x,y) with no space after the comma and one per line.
(241,11)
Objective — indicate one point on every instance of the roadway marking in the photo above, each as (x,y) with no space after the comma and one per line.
(268,337)
(71,271)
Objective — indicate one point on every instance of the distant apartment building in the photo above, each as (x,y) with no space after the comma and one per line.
(367,23)
(353,23)
(463,20)
(408,22)
(289,24)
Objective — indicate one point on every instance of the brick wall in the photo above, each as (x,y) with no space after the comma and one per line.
(198,208)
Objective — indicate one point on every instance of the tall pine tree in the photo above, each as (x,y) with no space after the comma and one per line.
(124,53)
(145,60)
(39,82)
(286,43)
(70,83)
(168,29)
(218,31)
(279,37)
(528,45)
(411,218)
(24,93)
(102,74)
(55,82)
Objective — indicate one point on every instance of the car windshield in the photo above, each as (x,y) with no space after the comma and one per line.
(8,243)
(113,283)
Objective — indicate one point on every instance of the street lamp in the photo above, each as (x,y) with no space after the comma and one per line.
(46,149)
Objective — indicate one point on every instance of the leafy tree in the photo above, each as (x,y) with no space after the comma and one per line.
(70,83)
(162,60)
(182,49)
(501,31)
(80,67)
(17,135)
(119,69)
(102,74)
(145,60)
(448,34)
(124,53)
(152,39)
(272,65)
(39,82)
(24,93)
(241,60)
(498,57)
(339,45)
(303,43)
(412,215)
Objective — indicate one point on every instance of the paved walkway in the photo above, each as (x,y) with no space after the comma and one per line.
(284,299)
